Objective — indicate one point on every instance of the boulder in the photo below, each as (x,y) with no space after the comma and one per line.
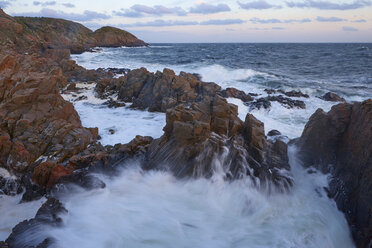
(287,102)
(339,142)
(332,97)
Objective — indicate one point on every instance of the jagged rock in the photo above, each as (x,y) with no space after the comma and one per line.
(157,91)
(71,86)
(48,173)
(208,136)
(285,101)
(293,93)
(29,233)
(114,104)
(332,97)
(235,93)
(339,142)
(34,119)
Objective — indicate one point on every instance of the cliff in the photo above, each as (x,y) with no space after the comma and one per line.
(27,34)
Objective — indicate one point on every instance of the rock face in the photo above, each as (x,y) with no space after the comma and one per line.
(339,142)
(209,137)
(235,93)
(34,119)
(28,34)
(158,91)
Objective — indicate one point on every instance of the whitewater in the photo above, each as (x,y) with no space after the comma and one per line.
(154,209)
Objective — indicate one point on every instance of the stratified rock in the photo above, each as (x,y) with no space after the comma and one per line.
(209,137)
(235,93)
(157,91)
(339,142)
(332,97)
(31,233)
(34,118)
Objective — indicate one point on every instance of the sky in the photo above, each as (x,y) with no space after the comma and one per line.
(167,21)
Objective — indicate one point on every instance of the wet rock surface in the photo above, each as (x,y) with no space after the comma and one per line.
(29,233)
(339,142)
(208,136)
(235,93)
(265,102)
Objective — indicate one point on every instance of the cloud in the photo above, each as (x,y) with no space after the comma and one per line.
(205,8)
(266,21)
(139,10)
(360,21)
(162,23)
(68,5)
(349,29)
(4,4)
(357,4)
(260,4)
(85,16)
(330,19)
(222,22)
(277,28)
(44,4)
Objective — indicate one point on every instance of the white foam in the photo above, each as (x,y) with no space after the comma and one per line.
(12,212)
(154,209)
(126,123)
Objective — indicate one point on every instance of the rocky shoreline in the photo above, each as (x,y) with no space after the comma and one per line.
(45,148)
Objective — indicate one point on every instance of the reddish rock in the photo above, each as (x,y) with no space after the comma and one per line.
(34,119)
(332,97)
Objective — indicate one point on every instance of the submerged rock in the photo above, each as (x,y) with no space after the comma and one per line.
(208,137)
(339,142)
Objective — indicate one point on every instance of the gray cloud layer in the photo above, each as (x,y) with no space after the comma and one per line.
(330,19)
(266,21)
(205,8)
(349,29)
(329,5)
(44,4)
(140,10)
(68,5)
(86,16)
(164,23)
(260,4)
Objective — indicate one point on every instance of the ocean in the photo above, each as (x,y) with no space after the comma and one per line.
(154,209)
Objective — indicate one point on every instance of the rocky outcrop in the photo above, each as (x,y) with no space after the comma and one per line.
(235,93)
(291,93)
(157,91)
(332,97)
(265,102)
(339,142)
(209,137)
(35,120)
(27,34)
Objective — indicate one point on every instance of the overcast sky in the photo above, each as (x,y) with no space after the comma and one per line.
(215,20)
